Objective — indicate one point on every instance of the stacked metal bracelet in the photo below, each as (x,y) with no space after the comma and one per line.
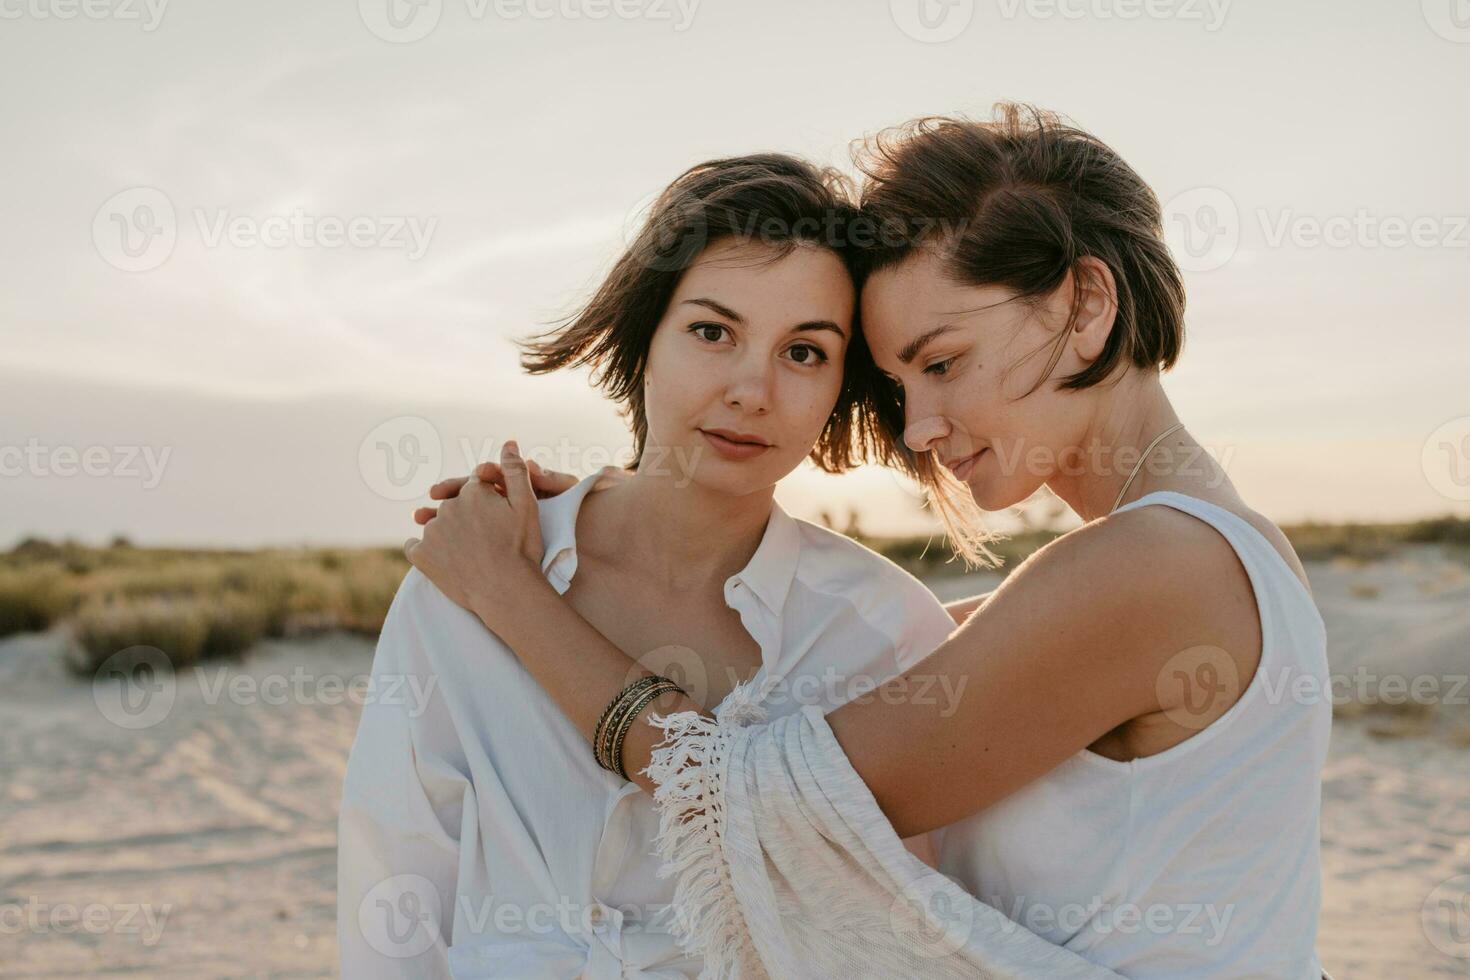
(619,715)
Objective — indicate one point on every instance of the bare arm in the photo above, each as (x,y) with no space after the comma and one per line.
(960,609)
(1066,650)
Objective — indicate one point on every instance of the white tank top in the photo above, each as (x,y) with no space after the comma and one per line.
(1200,861)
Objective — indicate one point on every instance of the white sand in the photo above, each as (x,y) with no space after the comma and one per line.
(206,842)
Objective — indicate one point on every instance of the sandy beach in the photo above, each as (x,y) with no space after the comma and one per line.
(201,842)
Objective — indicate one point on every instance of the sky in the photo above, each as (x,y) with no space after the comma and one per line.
(263,263)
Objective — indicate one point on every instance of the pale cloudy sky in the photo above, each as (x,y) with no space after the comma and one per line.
(182,310)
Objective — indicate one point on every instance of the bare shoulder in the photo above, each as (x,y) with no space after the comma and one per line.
(1146,552)
(1154,579)
(1145,588)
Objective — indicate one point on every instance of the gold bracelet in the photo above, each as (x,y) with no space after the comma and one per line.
(635,709)
(599,734)
(602,736)
(615,722)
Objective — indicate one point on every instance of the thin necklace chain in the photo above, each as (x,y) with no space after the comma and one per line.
(1139,465)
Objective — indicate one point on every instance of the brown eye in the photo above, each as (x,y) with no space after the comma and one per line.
(808,354)
(704,330)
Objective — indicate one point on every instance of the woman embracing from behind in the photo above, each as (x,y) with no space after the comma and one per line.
(1128,774)
(477,836)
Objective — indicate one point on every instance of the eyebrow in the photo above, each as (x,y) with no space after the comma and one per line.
(728,313)
(719,308)
(820,325)
(911,350)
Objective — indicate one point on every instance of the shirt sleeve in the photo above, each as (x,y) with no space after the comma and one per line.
(922,623)
(399,825)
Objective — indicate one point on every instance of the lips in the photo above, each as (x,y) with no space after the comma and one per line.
(961,466)
(730,435)
(734,445)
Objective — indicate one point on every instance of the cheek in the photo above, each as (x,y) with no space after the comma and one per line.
(808,401)
(670,392)
(979,401)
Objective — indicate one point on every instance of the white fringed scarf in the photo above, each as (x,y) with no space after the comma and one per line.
(788,869)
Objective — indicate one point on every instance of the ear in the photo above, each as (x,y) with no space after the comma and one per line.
(1097,307)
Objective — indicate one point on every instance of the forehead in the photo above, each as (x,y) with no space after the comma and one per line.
(758,280)
(904,300)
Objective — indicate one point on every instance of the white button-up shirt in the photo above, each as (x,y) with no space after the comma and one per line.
(477,835)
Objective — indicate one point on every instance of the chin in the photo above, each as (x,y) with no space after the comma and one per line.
(992,496)
(734,479)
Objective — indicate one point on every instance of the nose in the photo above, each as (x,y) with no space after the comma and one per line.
(924,434)
(749,388)
(925,426)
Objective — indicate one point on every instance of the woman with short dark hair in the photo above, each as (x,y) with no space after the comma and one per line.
(1134,771)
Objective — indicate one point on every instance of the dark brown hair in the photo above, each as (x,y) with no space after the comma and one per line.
(1023,198)
(769,198)
(1017,201)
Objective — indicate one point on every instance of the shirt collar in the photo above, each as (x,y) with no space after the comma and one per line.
(768,574)
(770,570)
(559,519)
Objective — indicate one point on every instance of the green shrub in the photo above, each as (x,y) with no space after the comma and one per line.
(235,624)
(370,580)
(32,599)
(178,627)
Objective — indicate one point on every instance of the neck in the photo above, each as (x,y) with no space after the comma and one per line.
(676,532)
(1129,416)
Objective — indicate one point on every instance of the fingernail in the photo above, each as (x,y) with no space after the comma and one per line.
(512,448)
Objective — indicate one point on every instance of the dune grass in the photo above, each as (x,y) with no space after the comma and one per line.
(192,605)
(926,556)
(200,604)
